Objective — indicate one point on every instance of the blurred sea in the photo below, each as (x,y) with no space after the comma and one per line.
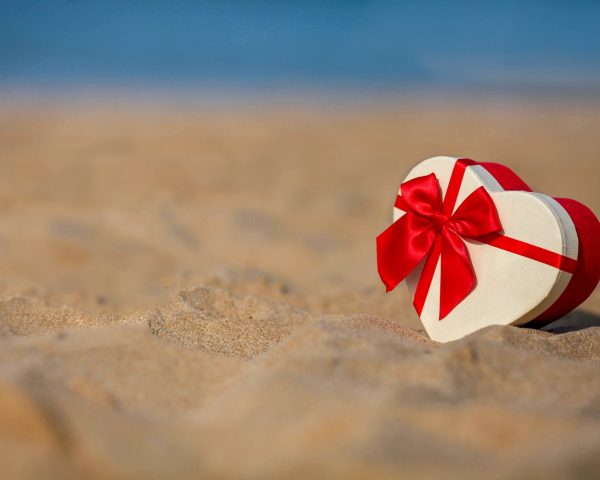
(525,45)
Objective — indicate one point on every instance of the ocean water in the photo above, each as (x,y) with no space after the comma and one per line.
(372,45)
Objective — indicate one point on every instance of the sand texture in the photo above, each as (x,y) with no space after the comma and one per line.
(190,292)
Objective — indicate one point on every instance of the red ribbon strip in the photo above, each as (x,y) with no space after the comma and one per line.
(432,229)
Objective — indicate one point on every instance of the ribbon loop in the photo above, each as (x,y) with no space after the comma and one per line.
(422,195)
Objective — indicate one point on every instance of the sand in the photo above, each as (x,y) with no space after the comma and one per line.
(189,291)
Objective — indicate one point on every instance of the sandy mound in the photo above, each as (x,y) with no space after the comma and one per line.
(338,395)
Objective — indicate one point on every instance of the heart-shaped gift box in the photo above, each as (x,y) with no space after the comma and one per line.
(478,247)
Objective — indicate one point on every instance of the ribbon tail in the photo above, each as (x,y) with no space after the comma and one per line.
(401,247)
(457,275)
(424,283)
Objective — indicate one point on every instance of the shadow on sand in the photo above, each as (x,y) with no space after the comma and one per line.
(573,321)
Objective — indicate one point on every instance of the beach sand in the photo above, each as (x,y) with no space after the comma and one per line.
(190,291)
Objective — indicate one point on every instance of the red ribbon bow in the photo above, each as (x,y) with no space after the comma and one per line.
(432,228)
